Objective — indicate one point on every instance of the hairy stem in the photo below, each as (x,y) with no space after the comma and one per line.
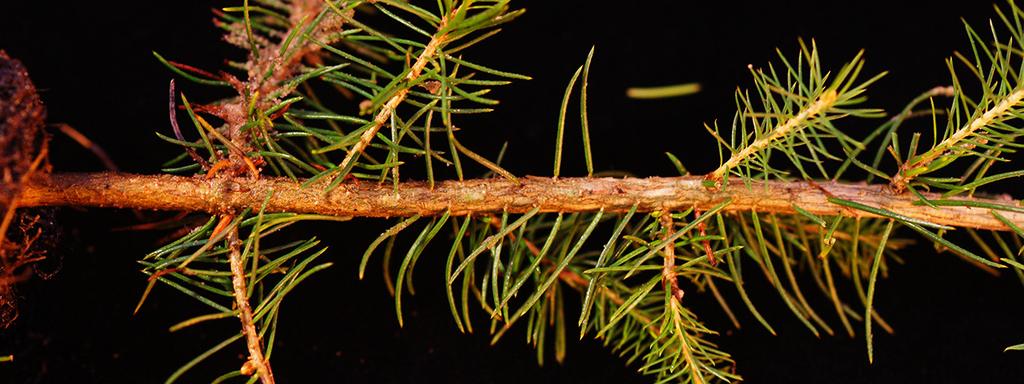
(480,196)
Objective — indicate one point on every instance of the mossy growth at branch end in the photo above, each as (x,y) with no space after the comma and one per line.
(328,103)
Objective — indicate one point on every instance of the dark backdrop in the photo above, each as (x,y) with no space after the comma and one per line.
(92,63)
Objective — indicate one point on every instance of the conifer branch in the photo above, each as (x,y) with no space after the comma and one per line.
(480,196)
(791,113)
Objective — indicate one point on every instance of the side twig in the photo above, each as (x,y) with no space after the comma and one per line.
(669,277)
(389,107)
(958,141)
(256,360)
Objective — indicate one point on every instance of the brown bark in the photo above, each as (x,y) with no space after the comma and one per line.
(363,199)
(256,361)
(669,277)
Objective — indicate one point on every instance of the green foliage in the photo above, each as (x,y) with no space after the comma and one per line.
(196,265)
(792,113)
(400,71)
(297,135)
(980,126)
(409,84)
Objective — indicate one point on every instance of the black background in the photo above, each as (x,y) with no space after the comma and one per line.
(92,64)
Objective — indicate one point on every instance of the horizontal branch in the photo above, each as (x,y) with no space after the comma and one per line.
(479,196)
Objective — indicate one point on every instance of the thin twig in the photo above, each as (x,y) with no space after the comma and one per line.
(669,277)
(252,336)
(670,280)
(389,107)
